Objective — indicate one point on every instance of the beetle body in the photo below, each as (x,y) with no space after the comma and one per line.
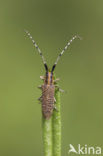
(48,88)
(47,99)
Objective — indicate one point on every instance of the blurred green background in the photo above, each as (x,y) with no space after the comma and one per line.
(52,24)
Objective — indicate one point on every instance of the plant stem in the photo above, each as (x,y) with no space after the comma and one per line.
(47,136)
(52,130)
(56,125)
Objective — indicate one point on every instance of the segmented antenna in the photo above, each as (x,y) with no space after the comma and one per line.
(65,48)
(39,51)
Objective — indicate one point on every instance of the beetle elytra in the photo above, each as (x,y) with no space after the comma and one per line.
(48,88)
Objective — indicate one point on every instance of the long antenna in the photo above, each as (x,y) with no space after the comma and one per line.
(39,51)
(65,48)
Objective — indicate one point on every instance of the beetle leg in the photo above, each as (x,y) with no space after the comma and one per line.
(40,87)
(61,90)
(55,108)
(56,80)
(40,98)
(42,77)
(54,100)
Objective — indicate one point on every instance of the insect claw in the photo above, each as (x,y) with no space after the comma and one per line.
(54,99)
(55,108)
(40,87)
(42,77)
(61,90)
(40,98)
(56,80)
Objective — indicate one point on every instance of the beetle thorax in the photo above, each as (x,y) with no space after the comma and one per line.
(49,78)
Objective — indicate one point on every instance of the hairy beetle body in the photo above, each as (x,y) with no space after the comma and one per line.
(48,88)
(47,100)
(48,91)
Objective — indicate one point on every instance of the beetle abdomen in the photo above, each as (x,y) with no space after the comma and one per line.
(47,100)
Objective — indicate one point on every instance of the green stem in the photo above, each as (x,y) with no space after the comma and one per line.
(56,124)
(47,136)
(52,130)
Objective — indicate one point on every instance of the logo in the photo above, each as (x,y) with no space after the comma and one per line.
(84,149)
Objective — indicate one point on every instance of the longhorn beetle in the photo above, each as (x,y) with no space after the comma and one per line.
(48,88)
